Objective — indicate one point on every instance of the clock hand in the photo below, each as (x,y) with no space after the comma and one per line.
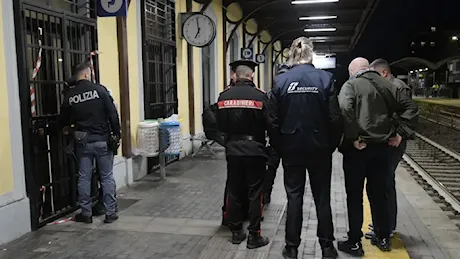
(198,32)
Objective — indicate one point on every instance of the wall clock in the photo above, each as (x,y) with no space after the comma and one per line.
(199,30)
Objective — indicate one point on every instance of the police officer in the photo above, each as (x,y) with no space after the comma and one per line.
(243,117)
(402,92)
(307,117)
(89,107)
(99,208)
(273,158)
(245,203)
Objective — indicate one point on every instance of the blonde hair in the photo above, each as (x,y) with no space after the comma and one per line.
(301,51)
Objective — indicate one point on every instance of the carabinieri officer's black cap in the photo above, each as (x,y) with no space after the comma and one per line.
(251,64)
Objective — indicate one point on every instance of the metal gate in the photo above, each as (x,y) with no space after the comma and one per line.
(159,60)
(64,39)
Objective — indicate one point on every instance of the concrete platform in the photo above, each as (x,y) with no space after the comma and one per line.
(180,218)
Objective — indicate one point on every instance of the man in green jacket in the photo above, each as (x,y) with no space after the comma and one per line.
(402,92)
(368,103)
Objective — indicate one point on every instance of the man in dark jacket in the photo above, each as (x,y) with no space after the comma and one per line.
(307,117)
(402,93)
(367,103)
(273,158)
(89,107)
(99,208)
(243,116)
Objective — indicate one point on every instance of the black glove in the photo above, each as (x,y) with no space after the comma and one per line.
(114,143)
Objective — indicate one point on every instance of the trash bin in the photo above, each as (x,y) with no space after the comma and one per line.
(148,138)
(173,137)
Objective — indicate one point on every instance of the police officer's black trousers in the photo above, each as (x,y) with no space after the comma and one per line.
(245,181)
(319,168)
(272,166)
(395,157)
(373,164)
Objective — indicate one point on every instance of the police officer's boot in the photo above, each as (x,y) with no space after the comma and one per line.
(99,209)
(238,237)
(110,219)
(255,240)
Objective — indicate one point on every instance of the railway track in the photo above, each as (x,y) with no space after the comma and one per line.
(437,170)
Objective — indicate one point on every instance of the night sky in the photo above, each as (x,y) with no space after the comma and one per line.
(395,24)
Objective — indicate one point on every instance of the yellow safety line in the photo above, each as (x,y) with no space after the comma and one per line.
(372,252)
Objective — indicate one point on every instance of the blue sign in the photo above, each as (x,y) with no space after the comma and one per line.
(110,8)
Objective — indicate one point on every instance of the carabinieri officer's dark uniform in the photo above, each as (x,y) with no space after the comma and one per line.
(243,116)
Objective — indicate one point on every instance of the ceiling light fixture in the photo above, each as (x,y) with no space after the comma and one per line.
(303,2)
(319,38)
(318,17)
(320,30)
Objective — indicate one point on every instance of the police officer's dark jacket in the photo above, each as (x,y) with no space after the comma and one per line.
(90,107)
(243,117)
(308,115)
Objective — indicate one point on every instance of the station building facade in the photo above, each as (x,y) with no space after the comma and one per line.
(38,180)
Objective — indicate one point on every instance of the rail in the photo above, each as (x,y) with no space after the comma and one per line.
(437,169)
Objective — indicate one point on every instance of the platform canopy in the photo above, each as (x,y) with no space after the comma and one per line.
(335,25)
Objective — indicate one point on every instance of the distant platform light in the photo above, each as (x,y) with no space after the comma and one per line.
(320,30)
(433,29)
(423,44)
(426,69)
(325,17)
(411,71)
(454,38)
(303,2)
(432,44)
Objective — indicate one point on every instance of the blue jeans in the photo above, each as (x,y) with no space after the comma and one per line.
(86,155)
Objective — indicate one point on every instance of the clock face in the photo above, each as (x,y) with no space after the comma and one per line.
(199,30)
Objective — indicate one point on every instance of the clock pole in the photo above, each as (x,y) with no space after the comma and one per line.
(191,90)
(122,39)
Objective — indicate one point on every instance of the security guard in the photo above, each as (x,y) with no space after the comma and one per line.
(307,114)
(273,158)
(243,117)
(89,107)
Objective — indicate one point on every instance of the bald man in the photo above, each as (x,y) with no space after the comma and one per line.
(369,131)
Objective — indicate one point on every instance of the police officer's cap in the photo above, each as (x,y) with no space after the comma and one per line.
(251,64)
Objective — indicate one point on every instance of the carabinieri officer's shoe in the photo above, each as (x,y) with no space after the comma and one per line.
(238,237)
(256,241)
